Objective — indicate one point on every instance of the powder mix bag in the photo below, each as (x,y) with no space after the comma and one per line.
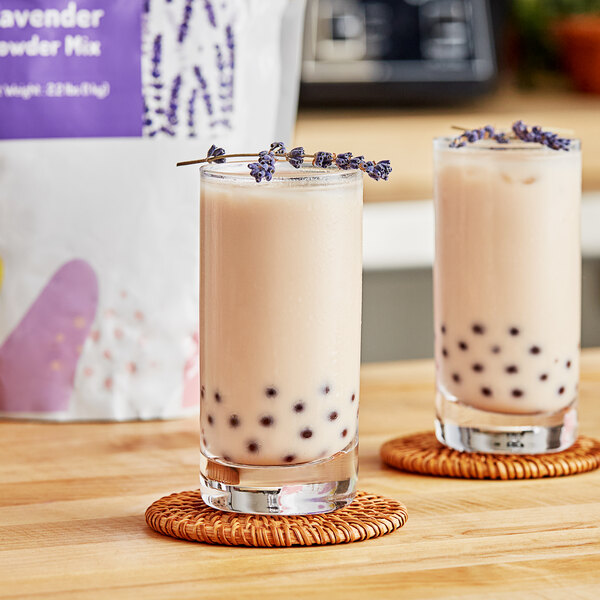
(98,230)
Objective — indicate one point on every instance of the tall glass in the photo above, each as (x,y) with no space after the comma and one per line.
(280,311)
(507,295)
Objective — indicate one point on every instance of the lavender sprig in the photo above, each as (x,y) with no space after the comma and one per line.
(519,131)
(185,23)
(264,168)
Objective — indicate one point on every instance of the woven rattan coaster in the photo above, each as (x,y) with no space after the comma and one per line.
(184,515)
(422,453)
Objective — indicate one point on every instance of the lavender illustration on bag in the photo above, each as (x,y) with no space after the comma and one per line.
(211,68)
(39,358)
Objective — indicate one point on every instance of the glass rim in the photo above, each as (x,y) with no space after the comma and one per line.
(284,173)
(438,143)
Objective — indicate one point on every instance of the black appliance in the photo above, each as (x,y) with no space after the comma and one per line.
(398,51)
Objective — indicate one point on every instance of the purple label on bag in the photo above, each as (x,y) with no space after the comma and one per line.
(70,68)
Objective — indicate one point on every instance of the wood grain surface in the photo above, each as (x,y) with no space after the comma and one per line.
(404,135)
(73,496)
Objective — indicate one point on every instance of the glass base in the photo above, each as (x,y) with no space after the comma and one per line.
(317,487)
(468,429)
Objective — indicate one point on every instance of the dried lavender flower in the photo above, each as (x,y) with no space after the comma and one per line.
(296,157)
(278,147)
(356,162)
(342,161)
(214,151)
(323,159)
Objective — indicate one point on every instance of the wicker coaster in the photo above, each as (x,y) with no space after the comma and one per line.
(422,453)
(185,516)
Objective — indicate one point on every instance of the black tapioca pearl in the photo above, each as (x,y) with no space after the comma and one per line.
(333,416)
(486,391)
(271,392)
(516,393)
(253,447)
(267,421)
(443,329)
(568,364)
(306,433)
(478,329)
(226,457)
(234,421)
(561,390)
(218,397)
(353,398)
(344,433)
(477,367)
(326,389)
(535,350)
(210,419)
(512,369)
(202,391)
(299,407)
(444,352)
(543,376)
(463,345)
(496,349)
(456,377)
(288,458)
(514,331)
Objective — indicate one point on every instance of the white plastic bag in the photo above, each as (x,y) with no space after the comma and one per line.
(98,230)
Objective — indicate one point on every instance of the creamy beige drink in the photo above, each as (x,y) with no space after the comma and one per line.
(507,283)
(280,314)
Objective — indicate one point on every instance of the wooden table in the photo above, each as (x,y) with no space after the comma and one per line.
(72,501)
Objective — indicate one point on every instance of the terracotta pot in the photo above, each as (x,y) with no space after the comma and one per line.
(579,38)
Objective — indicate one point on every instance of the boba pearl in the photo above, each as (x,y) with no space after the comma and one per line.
(512,369)
(456,377)
(267,421)
(299,407)
(253,447)
(463,345)
(478,329)
(234,421)
(271,392)
(478,367)
(333,416)
(535,350)
(306,433)
(486,391)
(517,393)
(344,433)
(289,458)
(513,331)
